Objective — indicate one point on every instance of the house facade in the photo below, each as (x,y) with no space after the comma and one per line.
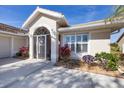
(120,43)
(11,39)
(49,30)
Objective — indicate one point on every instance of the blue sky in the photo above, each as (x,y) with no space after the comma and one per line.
(16,15)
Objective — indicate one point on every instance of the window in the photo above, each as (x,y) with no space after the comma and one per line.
(77,43)
(82,43)
(85,38)
(84,47)
(67,39)
(70,40)
(79,38)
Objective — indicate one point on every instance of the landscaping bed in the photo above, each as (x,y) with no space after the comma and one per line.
(111,64)
(94,68)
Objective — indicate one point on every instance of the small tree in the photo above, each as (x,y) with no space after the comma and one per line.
(115,49)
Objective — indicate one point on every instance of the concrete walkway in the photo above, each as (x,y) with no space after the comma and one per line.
(36,74)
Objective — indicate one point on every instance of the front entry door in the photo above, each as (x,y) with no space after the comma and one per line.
(41,47)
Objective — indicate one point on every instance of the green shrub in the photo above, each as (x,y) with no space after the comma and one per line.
(115,47)
(112,65)
(18,54)
(108,60)
(107,56)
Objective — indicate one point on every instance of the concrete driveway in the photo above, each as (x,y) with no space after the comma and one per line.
(5,61)
(18,69)
(37,74)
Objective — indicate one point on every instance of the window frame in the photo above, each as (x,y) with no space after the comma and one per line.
(69,43)
(75,42)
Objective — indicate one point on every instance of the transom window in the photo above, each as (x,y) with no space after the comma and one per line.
(78,43)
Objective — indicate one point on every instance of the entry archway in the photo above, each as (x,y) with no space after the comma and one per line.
(42,43)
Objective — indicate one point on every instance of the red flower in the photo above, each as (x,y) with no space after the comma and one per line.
(24,49)
(65,51)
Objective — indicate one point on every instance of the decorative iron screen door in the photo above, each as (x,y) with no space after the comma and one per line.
(41,47)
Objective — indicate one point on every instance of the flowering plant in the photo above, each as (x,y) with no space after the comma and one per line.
(65,51)
(88,59)
(24,51)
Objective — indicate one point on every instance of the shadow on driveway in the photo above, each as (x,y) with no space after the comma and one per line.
(59,77)
(14,72)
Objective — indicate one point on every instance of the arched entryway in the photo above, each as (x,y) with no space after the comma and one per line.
(42,43)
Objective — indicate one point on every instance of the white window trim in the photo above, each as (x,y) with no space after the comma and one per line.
(76,34)
(82,42)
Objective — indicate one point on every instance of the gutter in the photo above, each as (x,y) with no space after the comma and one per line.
(15,34)
(98,25)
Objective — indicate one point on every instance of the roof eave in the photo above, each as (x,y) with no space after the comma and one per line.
(25,25)
(94,26)
(48,12)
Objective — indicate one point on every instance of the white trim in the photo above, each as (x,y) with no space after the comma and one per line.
(37,48)
(41,25)
(41,35)
(31,47)
(89,45)
(45,47)
(12,46)
(75,43)
(44,11)
(122,48)
(93,25)
(16,34)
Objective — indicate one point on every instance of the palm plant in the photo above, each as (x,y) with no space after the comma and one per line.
(119,10)
(117,15)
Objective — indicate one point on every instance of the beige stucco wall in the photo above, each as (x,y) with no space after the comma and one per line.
(43,21)
(5,46)
(99,41)
(18,43)
(121,42)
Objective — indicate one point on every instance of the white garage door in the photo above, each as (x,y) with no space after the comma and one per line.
(5,47)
